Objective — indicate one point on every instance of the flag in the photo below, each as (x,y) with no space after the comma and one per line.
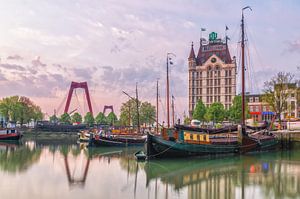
(203,29)
(226,28)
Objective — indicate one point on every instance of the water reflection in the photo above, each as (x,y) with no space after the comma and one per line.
(274,175)
(15,157)
(68,170)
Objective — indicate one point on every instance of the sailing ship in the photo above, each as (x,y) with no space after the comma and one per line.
(182,141)
(120,139)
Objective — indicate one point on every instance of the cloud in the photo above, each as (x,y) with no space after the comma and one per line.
(12,67)
(37,62)
(84,73)
(293,46)
(15,57)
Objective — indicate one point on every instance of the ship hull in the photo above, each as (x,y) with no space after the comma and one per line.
(159,148)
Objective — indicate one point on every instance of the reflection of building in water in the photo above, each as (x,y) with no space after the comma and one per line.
(220,186)
(276,178)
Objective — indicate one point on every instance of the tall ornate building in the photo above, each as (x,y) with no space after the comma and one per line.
(212,73)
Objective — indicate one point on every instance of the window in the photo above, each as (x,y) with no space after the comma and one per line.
(256,99)
(264,108)
(250,99)
(250,108)
(191,136)
(293,105)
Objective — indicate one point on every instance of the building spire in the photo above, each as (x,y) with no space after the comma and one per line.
(192,53)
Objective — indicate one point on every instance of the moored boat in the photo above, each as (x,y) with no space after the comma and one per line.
(140,156)
(113,140)
(9,134)
(187,143)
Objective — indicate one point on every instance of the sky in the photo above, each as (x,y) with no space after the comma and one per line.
(112,44)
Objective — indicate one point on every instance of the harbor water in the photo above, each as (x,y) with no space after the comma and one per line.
(39,168)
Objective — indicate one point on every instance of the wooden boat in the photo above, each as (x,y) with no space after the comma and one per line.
(122,141)
(140,156)
(9,134)
(224,129)
(266,140)
(187,143)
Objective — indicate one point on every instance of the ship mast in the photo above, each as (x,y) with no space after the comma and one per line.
(173,112)
(168,94)
(243,67)
(137,108)
(157,106)
(168,87)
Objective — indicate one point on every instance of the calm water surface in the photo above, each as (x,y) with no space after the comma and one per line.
(39,169)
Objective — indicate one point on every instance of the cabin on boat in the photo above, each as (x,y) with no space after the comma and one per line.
(186,136)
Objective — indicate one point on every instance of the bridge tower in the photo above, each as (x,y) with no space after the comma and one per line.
(75,85)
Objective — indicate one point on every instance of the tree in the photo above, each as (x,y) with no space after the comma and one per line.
(235,111)
(199,111)
(100,118)
(128,115)
(111,118)
(65,118)
(215,112)
(20,109)
(147,112)
(53,119)
(186,120)
(76,118)
(89,119)
(277,91)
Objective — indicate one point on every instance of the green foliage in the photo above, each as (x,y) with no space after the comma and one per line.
(128,115)
(53,119)
(20,159)
(111,118)
(199,111)
(65,118)
(186,121)
(277,91)
(89,119)
(100,118)
(215,112)
(235,111)
(76,118)
(20,109)
(146,110)
(147,113)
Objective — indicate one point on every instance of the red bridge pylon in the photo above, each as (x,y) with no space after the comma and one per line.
(73,86)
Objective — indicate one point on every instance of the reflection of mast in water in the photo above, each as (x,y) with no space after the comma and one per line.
(71,179)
